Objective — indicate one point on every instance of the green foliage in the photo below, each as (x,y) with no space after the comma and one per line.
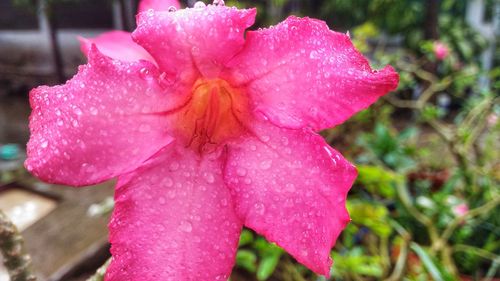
(356,262)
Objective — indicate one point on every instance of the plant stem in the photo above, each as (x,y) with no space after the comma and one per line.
(15,258)
(99,275)
(484,209)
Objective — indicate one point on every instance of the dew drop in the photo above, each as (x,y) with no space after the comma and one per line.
(174,166)
(144,128)
(77,111)
(241,172)
(259,208)
(199,5)
(168,182)
(209,177)
(144,72)
(172,9)
(219,2)
(93,111)
(266,164)
(313,55)
(290,187)
(185,226)
(150,12)
(44,144)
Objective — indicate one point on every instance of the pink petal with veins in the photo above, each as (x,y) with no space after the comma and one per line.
(117,45)
(291,187)
(173,220)
(300,73)
(158,5)
(96,125)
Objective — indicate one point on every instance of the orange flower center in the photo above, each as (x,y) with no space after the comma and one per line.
(212,115)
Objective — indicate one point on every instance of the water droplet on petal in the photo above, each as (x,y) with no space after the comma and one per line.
(259,208)
(209,177)
(93,111)
(77,110)
(313,55)
(199,5)
(44,144)
(266,164)
(174,166)
(185,226)
(219,2)
(241,172)
(168,182)
(172,9)
(144,72)
(144,128)
(150,12)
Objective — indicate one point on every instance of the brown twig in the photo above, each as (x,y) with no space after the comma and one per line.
(15,258)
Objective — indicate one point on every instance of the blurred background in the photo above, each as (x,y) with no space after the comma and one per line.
(426,203)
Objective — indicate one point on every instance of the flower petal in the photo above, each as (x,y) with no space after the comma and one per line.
(300,73)
(194,40)
(117,45)
(158,5)
(291,187)
(97,125)
(173,220)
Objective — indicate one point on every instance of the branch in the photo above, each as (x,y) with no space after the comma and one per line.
(484,209)
(99,275)
(15,258)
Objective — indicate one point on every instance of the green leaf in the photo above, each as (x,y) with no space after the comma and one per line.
(435,269)
(378,180)
(267,266)
(246,259)
(246,238)
(371,215)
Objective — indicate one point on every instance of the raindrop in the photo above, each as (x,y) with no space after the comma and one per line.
(77,111)
(150,12)
(174,166)
(144,72)
(314,55)
(219,2)
(185,226)
(168,182)
(44,144)
(209,177)
(93,111)
(266,164)
(259,208)
(290,187)
(144,128)
(199,5)
(241,172)
(172,9)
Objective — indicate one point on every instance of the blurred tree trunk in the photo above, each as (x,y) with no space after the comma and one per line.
(49,20)
(431,20)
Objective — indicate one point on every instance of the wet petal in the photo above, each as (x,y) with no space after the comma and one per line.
(97,125)
(173,220)
(158,5)
(300,73)
(291,187)
(195,40)
(117,45)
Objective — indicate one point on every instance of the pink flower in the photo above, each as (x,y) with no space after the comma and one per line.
(213,131)
(460,210)
(441,50)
